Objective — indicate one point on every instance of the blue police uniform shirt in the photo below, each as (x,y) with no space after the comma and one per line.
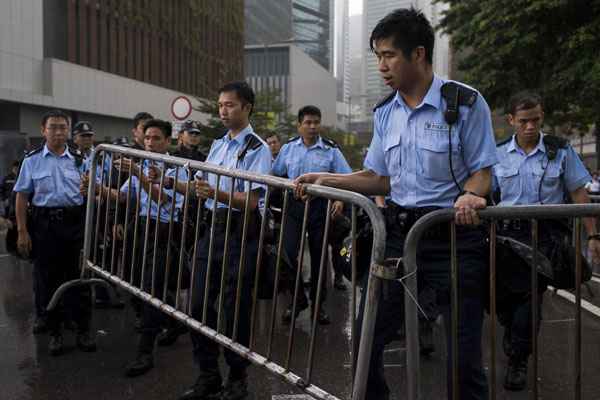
(411,147)
(165,209)
(517,174)
(295,159)
(224,152)
(53,179)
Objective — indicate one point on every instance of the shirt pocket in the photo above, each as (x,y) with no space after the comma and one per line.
(433,152)
(550,177)
(508,181)
(42,182)
(321,163)
(393,159)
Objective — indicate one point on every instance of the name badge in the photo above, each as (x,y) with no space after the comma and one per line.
(436,126)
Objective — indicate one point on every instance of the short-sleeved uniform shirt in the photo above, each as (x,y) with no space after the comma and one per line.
(224,152)
(412,147)
(52,179)
(518,175)
(295,159)
(165,208)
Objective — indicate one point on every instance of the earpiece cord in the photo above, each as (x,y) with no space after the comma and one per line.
(450,159)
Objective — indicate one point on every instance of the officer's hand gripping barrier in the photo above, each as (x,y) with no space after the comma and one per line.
(154,261)
(491,214)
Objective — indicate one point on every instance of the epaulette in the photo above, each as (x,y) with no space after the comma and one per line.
(330,142)
(252,142)
(386,100)
(76,153)
(293,139)
(34,151)
(456,95)
(503,142)
(553,144)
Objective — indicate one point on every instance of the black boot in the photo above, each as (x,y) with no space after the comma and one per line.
(426,345)
(40,325)
(55,347)
(206,387)
(236,388)
(169,336)
(302,304)
(338,282)
(516,373)
(143,363)
(85,342)
(322,317)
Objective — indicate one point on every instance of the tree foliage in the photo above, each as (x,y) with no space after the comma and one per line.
(270,114)
(550,46)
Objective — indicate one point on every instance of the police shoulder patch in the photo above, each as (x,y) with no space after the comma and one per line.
(503,142)
(555,141)
(385,100)
(330,142)
(34,151)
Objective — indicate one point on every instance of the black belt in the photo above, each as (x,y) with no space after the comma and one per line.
(154,221)
(405,218)
(220,216)
(58,213)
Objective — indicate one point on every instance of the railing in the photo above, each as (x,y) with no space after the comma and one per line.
(491,214)
(104,259)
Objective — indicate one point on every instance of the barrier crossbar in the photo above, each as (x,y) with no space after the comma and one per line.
(534,213)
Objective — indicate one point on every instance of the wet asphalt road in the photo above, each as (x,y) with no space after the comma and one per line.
(27,372)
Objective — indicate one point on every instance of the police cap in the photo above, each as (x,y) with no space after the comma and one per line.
(82,128)
(191,127)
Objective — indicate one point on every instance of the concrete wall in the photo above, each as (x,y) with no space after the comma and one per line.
(26,77)
(310,83)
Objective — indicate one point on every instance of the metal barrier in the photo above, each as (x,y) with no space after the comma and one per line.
(100,237)
(491,214)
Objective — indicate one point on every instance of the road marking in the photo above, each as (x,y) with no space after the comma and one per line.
(292,397)
(386,365)
(595,279)
(4,255)
(586,305)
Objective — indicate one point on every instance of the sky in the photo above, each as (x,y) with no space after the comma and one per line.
(355,7)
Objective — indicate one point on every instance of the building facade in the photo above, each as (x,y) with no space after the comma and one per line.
(297,78)
(374,11)
(104,61)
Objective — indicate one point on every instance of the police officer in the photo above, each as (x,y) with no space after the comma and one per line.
(156,139)
(309,152)
(190,136)
(274,142)
(6,188)
(533,168)
(83,137)
(409,158)
(240,148)
(49,178)
(137,132)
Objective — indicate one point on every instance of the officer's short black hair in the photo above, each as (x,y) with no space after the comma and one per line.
(165,126)
(273,134)
(308,110)
(409,29)
(54,114)
(141,116)
(523,100)
(243,91)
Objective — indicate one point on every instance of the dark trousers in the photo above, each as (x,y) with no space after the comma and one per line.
(206,350)
(433,258)
(514,301)
(57,244)
(153,320)
(315,228)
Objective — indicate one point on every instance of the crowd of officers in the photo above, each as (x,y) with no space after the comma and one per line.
(433,147)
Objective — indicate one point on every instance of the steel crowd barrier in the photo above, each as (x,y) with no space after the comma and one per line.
(103,258)
(492,215)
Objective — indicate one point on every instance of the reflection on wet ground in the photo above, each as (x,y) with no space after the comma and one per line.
(28,373)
